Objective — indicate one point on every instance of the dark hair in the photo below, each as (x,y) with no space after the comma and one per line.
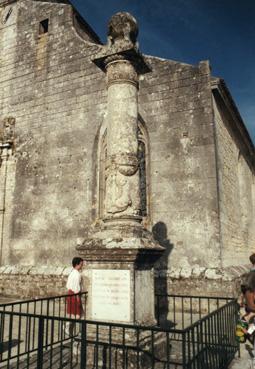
(244,288)
(76,261)
(252,258)
(250,281)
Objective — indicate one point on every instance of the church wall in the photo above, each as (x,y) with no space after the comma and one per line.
(57,97)
(8,42)
(177,106)
(237,200)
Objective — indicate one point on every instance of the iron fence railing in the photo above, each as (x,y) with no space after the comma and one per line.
(37,340)
(210,343)
(183,310)
(56,306)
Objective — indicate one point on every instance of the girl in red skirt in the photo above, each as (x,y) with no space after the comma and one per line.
(73,301)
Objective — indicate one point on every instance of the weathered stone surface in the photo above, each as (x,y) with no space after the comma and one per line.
(122,26)
(66,271)
(56,89)
(237,192)
(198,271)
(213,274)
(29,282)
(185,272)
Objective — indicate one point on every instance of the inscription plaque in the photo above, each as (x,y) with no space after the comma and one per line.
(111,295)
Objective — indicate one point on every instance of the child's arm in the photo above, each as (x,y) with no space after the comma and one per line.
(241,300)
(249,298)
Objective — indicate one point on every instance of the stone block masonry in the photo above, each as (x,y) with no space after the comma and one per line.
(33,282)
(54,91)
(58,98)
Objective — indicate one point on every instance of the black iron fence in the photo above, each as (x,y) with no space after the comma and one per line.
(21,322)
(210,342)
(41,338)
(56,306)
(183,310)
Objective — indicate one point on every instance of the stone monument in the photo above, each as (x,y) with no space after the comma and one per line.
(119,251)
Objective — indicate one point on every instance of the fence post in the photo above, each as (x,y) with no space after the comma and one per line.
(236,313)
(83,345)
(10,338)
(47,324)
(40,343)
(183,350)
(2,317)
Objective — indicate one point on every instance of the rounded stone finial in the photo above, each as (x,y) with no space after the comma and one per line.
(122,26)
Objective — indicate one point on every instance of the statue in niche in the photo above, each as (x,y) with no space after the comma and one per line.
(6,135)
(7,131)
(120,200)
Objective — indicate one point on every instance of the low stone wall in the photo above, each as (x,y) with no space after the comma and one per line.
(34,281)
(27,281)
(201,281)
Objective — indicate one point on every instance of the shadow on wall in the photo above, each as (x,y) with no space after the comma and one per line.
(159,231)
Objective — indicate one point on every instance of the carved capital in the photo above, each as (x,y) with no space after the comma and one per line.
(125,163)
(122,44)
(119,71)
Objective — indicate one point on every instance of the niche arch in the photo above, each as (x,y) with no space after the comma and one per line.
(144,169)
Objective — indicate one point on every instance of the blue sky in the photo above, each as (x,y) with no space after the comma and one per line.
(222,31)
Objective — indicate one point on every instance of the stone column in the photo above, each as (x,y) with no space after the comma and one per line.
(122,200)
(120,253)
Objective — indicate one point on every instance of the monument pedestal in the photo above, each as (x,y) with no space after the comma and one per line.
(120,283)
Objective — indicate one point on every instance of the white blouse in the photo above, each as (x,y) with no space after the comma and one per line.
(74,281)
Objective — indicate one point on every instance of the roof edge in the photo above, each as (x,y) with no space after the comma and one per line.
(83,23)
(220,89)
(79,18)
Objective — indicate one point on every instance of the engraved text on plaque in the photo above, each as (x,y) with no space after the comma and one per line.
(111,295)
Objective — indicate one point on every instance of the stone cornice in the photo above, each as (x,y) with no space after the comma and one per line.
(127,51)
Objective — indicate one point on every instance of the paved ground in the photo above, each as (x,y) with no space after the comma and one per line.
(59,358)
(246,360)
